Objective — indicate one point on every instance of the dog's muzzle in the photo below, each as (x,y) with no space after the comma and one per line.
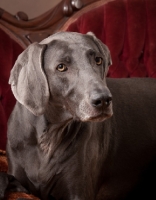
(97,107)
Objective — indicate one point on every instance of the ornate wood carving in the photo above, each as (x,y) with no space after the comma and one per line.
(36,37)
(71,5)
(77,4)
(26,31)
(22,16)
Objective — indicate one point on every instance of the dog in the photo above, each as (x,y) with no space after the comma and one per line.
(75,134)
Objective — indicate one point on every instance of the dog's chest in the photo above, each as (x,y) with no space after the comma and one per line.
(73,166)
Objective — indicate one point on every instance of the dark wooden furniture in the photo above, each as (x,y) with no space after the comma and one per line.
(25,31)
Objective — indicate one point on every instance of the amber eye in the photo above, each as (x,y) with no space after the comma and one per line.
(61,68)
(98,60)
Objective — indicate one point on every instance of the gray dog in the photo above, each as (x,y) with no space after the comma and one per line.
(64,142)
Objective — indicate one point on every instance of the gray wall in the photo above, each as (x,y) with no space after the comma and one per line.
(32,8)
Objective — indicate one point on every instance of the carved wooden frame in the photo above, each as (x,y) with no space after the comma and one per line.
(25,31)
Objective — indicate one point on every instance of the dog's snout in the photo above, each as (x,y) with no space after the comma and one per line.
(100,100)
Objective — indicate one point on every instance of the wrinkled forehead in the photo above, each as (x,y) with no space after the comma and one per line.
(63,51)
(69,42)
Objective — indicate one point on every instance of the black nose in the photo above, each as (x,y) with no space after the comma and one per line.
(100,100)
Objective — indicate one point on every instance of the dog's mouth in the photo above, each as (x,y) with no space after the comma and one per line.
(96,115)
(100,117)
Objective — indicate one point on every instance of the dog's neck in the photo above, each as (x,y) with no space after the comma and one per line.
(61,129)
(56,140)
(58,125)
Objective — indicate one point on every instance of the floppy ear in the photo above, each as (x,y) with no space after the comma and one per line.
(103,49)
(28,81)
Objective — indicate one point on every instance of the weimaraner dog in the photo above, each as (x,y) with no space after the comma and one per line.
(75,135)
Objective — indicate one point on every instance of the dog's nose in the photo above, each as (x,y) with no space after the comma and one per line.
(100,100)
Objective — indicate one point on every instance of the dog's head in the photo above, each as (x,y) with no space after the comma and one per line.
(67,70)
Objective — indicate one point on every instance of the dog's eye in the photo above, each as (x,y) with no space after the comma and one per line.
(61,68)
(98,60)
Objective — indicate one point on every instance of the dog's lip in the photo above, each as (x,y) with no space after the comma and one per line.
(100,117)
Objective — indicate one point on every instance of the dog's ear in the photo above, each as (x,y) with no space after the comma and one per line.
(28,81)
(103,49)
